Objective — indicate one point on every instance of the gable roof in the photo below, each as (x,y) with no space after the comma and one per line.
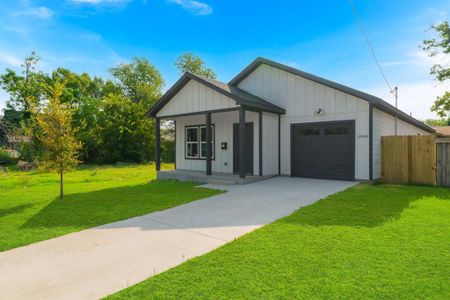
(240,96)
(375,101)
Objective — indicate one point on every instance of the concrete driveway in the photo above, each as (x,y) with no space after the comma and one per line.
(99,261)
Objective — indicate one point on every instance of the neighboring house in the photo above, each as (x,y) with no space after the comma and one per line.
(283,121)
(442,131)
(15,142)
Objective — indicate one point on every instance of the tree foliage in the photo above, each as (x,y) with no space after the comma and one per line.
(437,122)
(107,117)
(57,137)
(24,88)
(440,45)
(139,80)
(126,134)
(189,62)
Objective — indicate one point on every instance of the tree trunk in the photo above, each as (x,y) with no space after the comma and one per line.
(61,186)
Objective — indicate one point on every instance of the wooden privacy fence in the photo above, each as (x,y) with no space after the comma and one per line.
(408,159)
(443,161)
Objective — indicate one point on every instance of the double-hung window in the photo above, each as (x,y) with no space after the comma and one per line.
(196,142)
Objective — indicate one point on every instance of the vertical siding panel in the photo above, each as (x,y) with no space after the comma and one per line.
(202,97)
(309,103)
(340,103)
(351,105)
(330,102)
(292,106)
(195,97)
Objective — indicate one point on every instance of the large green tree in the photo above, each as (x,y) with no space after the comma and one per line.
(85,95)
(139,80)
(126,134)
(24,88)
(189,62)
(440,46)
(109,115)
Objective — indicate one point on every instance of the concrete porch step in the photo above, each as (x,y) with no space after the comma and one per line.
(215,178)
(223,181)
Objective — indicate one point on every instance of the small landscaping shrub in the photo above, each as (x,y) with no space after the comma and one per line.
(6,159)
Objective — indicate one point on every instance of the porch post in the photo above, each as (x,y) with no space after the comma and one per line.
(260,144)
(241,142)
(158,144)
(208,143)
(175,141)
(279,145)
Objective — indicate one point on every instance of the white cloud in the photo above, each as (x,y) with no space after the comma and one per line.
(420,58)
(415,98)
(100,2)
(91,36)
(10,59)
(38,12)
(196,7)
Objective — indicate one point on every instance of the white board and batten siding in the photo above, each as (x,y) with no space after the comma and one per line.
(196,97)
(270,143)
(384,125)
(223,131)
(302,98)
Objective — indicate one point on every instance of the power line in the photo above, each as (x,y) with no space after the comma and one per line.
(361,27)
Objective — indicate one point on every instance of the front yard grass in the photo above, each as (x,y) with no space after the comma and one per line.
(31,211)
(376,242)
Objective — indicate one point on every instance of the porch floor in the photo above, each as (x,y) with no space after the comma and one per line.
(214,178)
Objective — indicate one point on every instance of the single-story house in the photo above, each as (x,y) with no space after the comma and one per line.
(272,119)
(442,131)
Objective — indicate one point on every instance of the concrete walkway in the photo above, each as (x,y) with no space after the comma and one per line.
(99,261)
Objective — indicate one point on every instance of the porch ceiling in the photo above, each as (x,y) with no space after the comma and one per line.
(241,97)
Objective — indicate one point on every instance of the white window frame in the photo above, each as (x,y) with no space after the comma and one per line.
(199,142)
(203,143)
(191,142)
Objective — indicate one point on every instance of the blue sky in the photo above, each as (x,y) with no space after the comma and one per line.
(321,37)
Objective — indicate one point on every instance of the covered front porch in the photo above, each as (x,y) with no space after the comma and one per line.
(221,133)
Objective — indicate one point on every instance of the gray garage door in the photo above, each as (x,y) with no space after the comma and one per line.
(323,150)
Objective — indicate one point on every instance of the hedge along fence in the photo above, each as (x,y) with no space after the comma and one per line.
(408,159)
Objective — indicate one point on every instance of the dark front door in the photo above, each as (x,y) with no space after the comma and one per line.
(248,148)
(323,150)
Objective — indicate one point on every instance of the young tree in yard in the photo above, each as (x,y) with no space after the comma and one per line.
(190,62)
(56,135)
(437,47)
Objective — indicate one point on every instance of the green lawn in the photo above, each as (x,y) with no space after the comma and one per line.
(31,211)
(379,242)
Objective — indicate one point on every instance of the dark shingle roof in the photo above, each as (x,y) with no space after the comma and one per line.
(241,97)
(375,101)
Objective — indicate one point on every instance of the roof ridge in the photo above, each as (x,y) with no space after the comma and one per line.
(374,100)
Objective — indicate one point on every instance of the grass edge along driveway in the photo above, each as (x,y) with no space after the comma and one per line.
(378,241)
(30,210)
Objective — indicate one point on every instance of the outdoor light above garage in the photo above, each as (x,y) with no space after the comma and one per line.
(320,111)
